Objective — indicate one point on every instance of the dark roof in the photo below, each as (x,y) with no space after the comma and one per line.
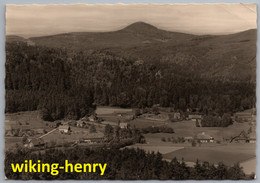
(203,136)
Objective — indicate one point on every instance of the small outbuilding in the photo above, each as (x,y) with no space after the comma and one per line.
(123,125)
(64,129)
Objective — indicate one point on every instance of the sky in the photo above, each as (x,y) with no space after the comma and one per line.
(40,20)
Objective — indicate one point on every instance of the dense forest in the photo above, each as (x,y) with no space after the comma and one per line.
(119,164)
(64,83)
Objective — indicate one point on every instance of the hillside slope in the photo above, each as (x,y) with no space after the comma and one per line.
(224,57)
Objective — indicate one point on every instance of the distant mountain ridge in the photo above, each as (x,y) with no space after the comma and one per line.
(230,57)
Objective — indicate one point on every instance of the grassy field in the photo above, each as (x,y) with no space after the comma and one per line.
(143,123)
(228,154)
(30,117)
(76,135)
(163,149)
(103,110)
(11,142)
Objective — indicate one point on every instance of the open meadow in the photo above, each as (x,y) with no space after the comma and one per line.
(31,118)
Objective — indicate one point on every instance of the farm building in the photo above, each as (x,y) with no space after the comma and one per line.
(204,138)
(64,129)
(123,125)
(35,142)
(241,139)
(92,118)
(80,123)
(177,115)
(195,117)
(252,139)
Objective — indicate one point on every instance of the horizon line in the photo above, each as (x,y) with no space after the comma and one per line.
(183,32)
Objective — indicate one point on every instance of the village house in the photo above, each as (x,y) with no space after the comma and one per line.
(177,115)
(241,140)
(204,138)
(252,138)
(195,117)
(92,118)
(245,138)
(123,125)
(64,129)
(81,123)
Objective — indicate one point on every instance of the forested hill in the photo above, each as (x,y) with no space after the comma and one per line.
(66,75)
(223,57)
(66,84)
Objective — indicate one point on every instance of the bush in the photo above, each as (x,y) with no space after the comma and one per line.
(92,129)
(156,129)
(163,139)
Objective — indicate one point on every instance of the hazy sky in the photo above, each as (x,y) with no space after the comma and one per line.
(38,20)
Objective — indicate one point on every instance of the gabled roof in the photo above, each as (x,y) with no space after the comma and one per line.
(64,127)
(203,136)
(80,122)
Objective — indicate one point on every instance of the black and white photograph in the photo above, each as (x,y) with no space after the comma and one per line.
(130,91)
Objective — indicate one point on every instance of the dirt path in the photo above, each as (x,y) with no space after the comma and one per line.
(48,133)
